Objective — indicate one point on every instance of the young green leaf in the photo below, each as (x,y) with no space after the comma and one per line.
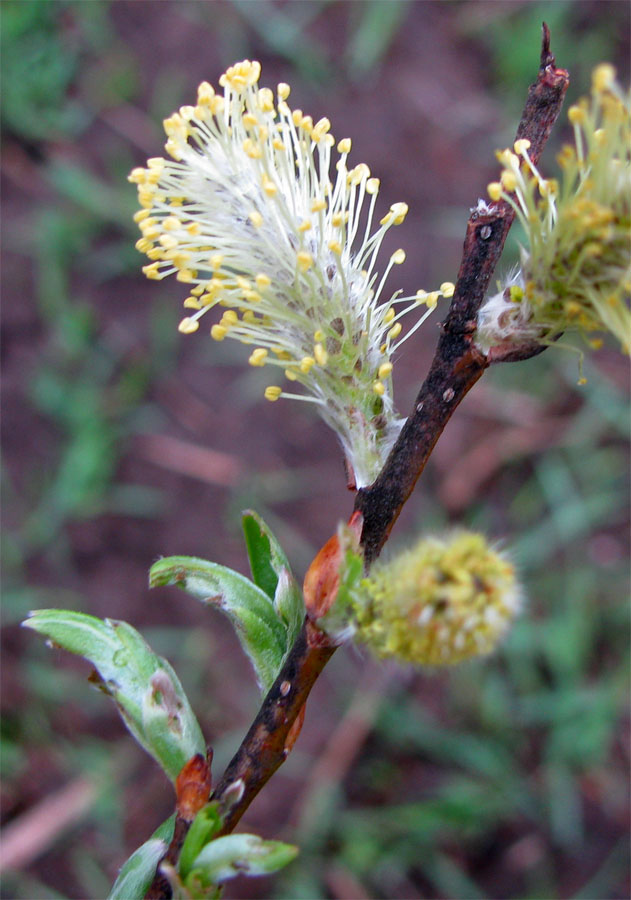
(261,632)
(145,688)
(137,873)
(289,604)
(204,827)
(272,573)
(239,854)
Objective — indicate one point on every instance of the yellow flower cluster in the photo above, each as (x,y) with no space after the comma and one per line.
(576,268)
(246,213)
(439,603)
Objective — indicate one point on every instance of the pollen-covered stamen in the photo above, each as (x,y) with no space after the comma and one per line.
(247,214)
(575,271)
(441,602)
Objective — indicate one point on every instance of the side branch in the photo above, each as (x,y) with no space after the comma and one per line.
(457,364)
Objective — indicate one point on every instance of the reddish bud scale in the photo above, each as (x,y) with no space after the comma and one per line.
(192,786)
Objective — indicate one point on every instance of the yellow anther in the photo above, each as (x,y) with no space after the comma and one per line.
(305,260)
(389,316)
(258,357)
(185,275)
(205,92)
(290,375)
(262,281)
(266,100)
(268,185)
(379,388)
(137,176)
(273,392)
(306,364)
(192,303)
(549,187)
(508,180)
(283,90)
(168,241)
(243,283)
(152,271)
(318,335)
(576,115)
(305,225)
(252,149)
(155,253)
(494,190)
(194,229)
(399,212)
(188,326)
(249,120)
(521,146)
(398,257)
(344,146)
(141,215)
(217,105)
(432,299)
(229,318)
(241,75)
(360,173)
(421,296)
(277,144)
(603,77)
(339,219)
(143,245)
(306,123)
(320,354)
(318,205)
(372,186)
(507,158)
(322,126)
(395,331)
(252,296)
(256,218)
(335,247)
(385,369)
(447,289)
(215,261)
(296,117)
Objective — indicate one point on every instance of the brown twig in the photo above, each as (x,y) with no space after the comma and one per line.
(457,364)
(456,367)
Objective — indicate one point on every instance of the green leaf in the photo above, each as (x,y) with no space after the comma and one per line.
(145,688)
(239,854)
(272,573)
(137,873)
(262,634)
(204,827)
(289,604)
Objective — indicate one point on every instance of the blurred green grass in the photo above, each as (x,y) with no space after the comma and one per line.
(527,747)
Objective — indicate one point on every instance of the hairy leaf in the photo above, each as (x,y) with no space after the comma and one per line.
(204,827)
(145,688)
(239,854)
(272,573)
(262,634)
(137,873)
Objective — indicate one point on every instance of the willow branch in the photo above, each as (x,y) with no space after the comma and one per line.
(456,367)
(457,364)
